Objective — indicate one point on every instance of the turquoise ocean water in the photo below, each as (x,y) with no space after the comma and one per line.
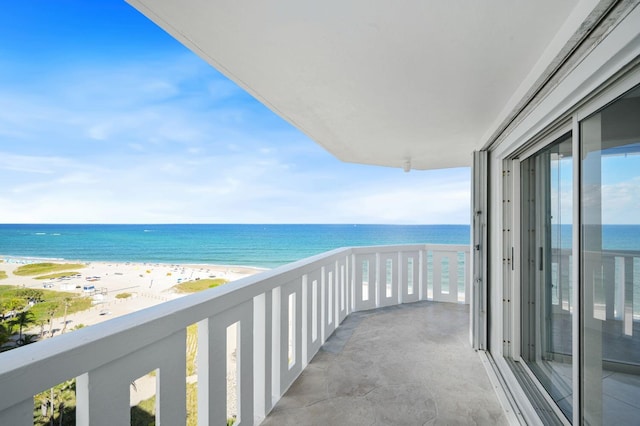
(264,246)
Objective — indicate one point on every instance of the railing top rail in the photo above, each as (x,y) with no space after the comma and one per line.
(448,247)
(410,247)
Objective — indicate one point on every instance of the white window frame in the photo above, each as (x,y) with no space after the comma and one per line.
(611,69)
(512,191)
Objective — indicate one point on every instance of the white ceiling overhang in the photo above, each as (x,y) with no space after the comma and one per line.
(380,82)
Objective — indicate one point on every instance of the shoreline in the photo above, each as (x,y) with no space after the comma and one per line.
(23,260)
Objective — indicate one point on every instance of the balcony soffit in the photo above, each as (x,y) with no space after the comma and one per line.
(374,82)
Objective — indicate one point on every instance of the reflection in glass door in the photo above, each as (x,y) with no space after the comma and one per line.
(546,207)
(610,263)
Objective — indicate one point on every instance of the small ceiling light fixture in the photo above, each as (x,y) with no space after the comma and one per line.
(407,165)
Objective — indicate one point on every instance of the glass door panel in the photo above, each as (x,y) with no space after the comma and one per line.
(547,214)
(610,263)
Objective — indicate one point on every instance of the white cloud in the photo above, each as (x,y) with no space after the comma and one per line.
(99,132)
(159,143)
(30,163)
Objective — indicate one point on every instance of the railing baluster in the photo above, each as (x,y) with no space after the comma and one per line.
(342,275)
(467,278)
(245,367)
(437,276)
(276,346)
(171,381)
(212,365)
(409,269)
(290,368)
(608,265)
(453,277)
(314,311)
(262,358)
(564,295)
(388,279)
(365,282)
(627,282)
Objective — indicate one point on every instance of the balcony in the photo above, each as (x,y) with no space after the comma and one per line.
(412,355)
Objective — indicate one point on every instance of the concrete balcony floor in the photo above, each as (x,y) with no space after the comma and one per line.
(408,364)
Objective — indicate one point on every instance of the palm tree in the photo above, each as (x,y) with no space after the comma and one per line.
(41,323)
(66,398)
(67,303)
(52,308)
(56,405)
(4,308)
(22,320)
(5,336)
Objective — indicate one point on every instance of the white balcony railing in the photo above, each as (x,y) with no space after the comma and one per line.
(282,316)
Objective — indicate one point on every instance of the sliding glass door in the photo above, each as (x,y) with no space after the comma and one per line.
(546,235)
(584,354)
(610,263)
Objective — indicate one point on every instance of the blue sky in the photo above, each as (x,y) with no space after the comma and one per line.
(104,118)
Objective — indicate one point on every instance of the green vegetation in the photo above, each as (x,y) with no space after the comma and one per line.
(49,303)
(45,268)
(144,414)
(198,285)
(5,334)
(46,305)
(56,275)
(123,295)
(3,275)
(17,299)
(56,405)
(26,294)
(23,320)
(76,304)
